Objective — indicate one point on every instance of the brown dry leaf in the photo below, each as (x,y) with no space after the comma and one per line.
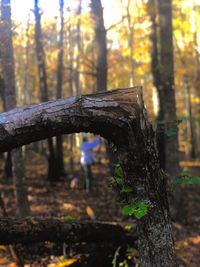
(13,264)
(90,213)
(185,243)
(69,207)
(3,260)
(30,198)
(196,240)
(63,264)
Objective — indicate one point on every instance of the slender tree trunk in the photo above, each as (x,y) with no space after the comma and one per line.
(8,166)
(102,64)
(59,144)
(10,103)
(197,76)
(8,159)
(130,42)
(155,68)
(40,54)
(190,118)
(163,73)
(52,164)
(167,85)
(101,44)
(78,49)
(27,93)
(70,59)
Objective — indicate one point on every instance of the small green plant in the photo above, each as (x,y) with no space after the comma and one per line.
(118,174)
(186,178)
(126,189)
(114,261)
(69,218)
(136,208)
(123,264)
(128,227)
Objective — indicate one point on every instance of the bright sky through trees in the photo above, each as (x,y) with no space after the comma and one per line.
(21,9)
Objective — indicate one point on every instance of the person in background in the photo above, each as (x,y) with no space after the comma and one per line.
(87,159)
(74,184)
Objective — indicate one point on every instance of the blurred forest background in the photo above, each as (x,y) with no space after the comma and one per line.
(123,45)
(54,49)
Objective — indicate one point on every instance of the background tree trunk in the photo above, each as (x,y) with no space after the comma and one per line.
(155,68)
(101,45)
(59,145)
(130,43)
(53,170)
(190,117)
(167,86)
(102,65)
(8,160)
(195,140)
(10,103)
(78,50)
(163,73)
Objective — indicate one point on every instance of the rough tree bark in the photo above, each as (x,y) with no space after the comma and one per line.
(10,103)
(120,117)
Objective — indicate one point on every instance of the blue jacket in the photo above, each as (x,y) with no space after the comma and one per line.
(87,154)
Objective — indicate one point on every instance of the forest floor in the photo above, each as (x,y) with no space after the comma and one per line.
(58,200)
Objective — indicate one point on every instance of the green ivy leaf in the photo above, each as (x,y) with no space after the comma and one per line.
(141,210)
(136,208)
(118,174)
(128,210)
(126,189)
(118,171)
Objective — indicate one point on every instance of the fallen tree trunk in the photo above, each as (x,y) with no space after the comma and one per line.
(120,117)
(31,230)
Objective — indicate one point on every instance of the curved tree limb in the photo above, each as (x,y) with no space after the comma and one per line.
(102,113)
